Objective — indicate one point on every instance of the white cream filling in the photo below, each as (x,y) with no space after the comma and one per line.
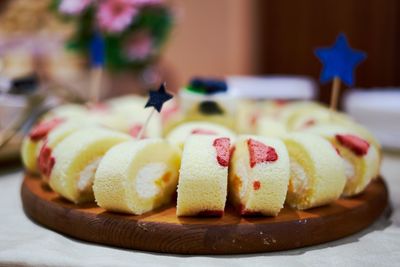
(146,179)
(86,176)
(299,177)
(349,169)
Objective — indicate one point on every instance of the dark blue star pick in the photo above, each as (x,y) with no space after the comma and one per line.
(97,48)
(158,98)
(339,60)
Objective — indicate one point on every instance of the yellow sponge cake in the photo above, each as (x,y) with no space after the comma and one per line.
(131,109)
(66,111)
(271,127)
(203,177)
(76,159)
(137,176)
(44,158)
(179,134)
(32,143)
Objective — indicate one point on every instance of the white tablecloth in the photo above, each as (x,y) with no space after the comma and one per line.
(24,243)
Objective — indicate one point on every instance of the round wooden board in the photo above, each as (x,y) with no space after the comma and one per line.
(162,231)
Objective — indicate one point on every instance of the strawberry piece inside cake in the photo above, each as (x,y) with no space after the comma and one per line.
(41,130)
(222,146)
(260,152)
(356,144)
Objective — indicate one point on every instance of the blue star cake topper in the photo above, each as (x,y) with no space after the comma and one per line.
(97,48)
(158,98)
(339,61)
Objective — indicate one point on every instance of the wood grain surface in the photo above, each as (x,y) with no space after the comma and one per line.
(162,231)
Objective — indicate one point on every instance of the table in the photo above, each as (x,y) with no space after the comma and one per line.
(24,243)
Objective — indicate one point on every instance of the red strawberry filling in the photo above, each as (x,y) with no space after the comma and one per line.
(41,130)
(254,118)
(260,152)
(167,112)
(203,131)
(308,123)
(135,130)
(46,161)
(222,146)
(211,213)
(249,213)
(357,145)
(338,152)
(256,185)
(281,102)
(245,212)
(98,107)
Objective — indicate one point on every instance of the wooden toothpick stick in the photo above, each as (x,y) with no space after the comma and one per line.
(335,93)
(141,133)
(95,83)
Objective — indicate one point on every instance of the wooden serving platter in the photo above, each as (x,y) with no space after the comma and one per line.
(162,231)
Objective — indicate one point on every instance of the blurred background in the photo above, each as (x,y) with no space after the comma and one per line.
(226,37)
(279,37)
(47,44)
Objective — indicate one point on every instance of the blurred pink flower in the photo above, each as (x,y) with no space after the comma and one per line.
(139,46)
(146,2)
(73,7)
(115,15)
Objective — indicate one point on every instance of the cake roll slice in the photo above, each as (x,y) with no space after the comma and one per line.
(203,176)
(33,142)
(270,127)
(247,116)
(317,175)
(259,175)
(322,115)
(179,134)
(361,157)
(75,160)
(137,176)
(44,158)
(131,109)
(288,113)
(67,112)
